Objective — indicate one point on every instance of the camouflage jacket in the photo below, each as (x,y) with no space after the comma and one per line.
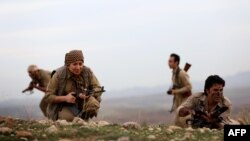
(199,101)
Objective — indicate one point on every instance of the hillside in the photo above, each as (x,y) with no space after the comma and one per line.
(150,109)
(16,129)
(143,105)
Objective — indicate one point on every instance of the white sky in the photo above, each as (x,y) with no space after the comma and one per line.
(126,43)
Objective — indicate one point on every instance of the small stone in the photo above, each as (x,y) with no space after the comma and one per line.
(65,140)
(77,120)
(207,129)
(202,130)
(214,130)
(63,122)
(5,130)
(102,123)
(44,121)
(150,129)
(22,138)
(52,129)
(91,124)
(214,138)
(151,137)
(131,125)
(158,129)
(187,136)
(169,131)
(25,134)
(123,139)
(8,121)
(189,129)
(174,127)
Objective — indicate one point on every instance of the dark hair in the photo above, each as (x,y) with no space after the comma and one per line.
(213,79)
(176,57)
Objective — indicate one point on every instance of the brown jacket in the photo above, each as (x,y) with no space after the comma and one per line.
(182,86)
(43,78)
(62,83)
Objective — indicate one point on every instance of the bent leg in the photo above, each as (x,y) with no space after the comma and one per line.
(91,108)
(43,106)
(65,114)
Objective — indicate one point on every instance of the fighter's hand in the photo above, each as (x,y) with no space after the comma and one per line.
(207,117)
(173,92)
(210,118)
(83,96)
(69,98)
(32,84)
(184,112)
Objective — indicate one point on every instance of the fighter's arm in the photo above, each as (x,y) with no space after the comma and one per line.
(43,89)
(51,93)
(226,115)
(30,87)
(45,81)
(186,107)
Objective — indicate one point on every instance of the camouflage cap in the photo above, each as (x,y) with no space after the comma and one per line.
(73,56)
(32,68)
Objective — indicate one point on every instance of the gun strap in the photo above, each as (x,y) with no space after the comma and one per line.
(79,88)
(176,82)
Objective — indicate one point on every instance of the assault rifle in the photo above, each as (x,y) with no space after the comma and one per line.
(88,92)
(77,107)
(29,88)
(200,118)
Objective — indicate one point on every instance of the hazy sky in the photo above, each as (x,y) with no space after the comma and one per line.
(126,43)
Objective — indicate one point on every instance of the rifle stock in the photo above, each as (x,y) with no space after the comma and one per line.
(187,67)
(25,90)
(28,89)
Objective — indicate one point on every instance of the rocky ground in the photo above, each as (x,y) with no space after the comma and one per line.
(12,129)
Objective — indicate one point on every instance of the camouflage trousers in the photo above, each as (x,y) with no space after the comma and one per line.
(90,108)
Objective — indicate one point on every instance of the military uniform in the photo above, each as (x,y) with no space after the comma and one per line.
(199,100)
(182,86)
(42,80)
(64,82)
